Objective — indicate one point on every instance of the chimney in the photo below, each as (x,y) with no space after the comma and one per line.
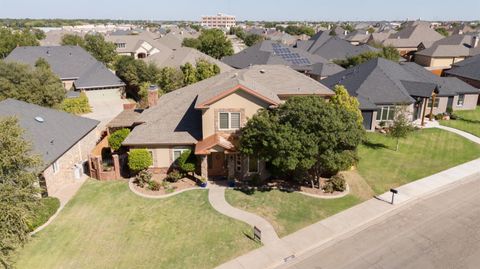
(152,95)
(474,43)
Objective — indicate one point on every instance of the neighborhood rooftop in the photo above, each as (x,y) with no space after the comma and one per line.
(51,132)
(69,63)
(183,125)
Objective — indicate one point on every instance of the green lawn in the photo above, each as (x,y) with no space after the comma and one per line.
(423,153)
(469,121)
(289,212)
(107,226)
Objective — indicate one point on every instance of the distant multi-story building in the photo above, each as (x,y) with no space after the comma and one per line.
(219,21)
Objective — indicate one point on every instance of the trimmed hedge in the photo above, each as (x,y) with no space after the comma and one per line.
(78,105)
(186,162)
(139,159)
(116,138)
(46,208)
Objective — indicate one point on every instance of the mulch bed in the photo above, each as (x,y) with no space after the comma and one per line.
(181,184)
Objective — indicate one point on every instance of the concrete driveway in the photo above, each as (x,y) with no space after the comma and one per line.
(106,105)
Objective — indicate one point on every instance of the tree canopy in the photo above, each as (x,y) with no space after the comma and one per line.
(18,191)
(343,99)
(102,50)
(37,85)
(389,53)
(305,138)
(299,30)
(442,31)
(212,42)
(10,39)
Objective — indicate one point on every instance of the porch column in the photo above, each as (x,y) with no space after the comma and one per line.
(203,166)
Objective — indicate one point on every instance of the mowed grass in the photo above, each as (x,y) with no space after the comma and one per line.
(423,153)
(469,121)
(289,212)
(107,226)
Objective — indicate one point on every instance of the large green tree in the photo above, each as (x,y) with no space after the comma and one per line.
(18,191)
(37,85)
(212,42)
(73,40)
(205,69)
(170,79)
(388,52)
(306,137)
(252,39)
(101,49)
(135,73)
(10,39)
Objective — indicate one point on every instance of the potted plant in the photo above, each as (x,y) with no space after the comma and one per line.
(231,183)
(203,182)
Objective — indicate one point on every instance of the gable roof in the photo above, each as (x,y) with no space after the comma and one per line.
(55,135)
(452,46)
(69,62)
(134,42)
(412,34)
(177,118)
(380,81)
(332,47)
(468,68)
(183,55)
(270,52)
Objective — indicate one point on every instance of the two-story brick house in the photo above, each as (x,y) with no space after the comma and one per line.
(206,117)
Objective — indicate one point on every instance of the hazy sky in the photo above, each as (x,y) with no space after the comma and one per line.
(244,9)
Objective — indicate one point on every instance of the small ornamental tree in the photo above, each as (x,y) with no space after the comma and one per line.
(401,126)
(139,159)
(186,162)
(115,140)
(343,99)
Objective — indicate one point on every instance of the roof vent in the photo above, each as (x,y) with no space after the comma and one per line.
(39,119)
(262,71)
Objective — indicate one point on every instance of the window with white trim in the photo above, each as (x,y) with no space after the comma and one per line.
(253,164)
(229,120)
(177,152)
(461,99)
(386,113)
(56,167)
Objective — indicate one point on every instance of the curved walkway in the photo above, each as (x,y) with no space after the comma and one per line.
(216,196)
(132,188)
(468,136)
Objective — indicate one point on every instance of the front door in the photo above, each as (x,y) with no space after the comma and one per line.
(216,164)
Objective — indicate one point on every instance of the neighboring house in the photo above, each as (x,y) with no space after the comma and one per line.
(206,117)
(358,37)
(381,85)
(54,37)
(178,57)
(174,39)
(467,70)
(331,47)
(77,69)
(412,34)
(62,140)
(270,52)
(448,51)
(139,45)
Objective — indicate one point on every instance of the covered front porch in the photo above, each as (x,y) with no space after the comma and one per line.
(220,159)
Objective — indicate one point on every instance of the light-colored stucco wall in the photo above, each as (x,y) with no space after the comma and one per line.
(67,84)
(436,61)
(66,163)
(469,103)
(237,100)
(163,155)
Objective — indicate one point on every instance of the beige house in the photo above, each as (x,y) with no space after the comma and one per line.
(206,117)
(448,51)
(139,45)
(62,140)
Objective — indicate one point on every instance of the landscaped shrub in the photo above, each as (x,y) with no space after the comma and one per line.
(78,105)
(47,207)
(143,178)
(139,159)
(439,116)
(338,182)
(153,185)
(186,162)
(116,138)
(174,176)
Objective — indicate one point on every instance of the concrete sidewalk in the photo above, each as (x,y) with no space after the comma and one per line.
(358,217)
(468,136)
